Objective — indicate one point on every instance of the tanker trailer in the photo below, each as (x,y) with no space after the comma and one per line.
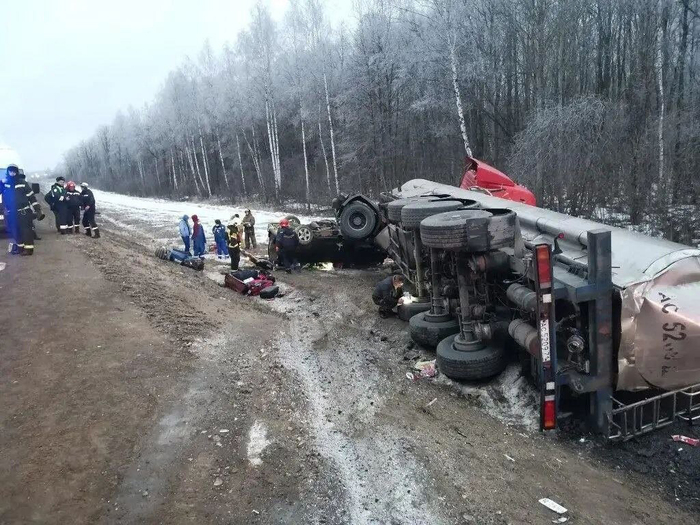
(598,310)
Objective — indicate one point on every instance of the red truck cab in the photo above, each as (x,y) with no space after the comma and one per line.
(480,176)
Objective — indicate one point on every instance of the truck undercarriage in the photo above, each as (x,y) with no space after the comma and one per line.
(499,280)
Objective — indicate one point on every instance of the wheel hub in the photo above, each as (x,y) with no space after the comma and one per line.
(358,220)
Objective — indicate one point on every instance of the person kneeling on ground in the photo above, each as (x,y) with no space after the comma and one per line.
(286,242)
(233,238)
(387,294)
(199,241)
(219,232)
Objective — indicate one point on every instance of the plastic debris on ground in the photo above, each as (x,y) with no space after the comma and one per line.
(423,369)
(2,266)
(553,506)
(693,442)
(563,519)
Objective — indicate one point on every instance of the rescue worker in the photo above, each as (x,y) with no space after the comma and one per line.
(74,201)
(38,214)
(19,205)
(219,232)
(199,241)
(185,232)
(388,294)
(286,242)
(56,199)
(249,229)
(88,200)
(233,239)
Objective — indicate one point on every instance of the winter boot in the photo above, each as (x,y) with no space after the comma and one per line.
(27,251)
(88,232)
(76,229)
(97,233)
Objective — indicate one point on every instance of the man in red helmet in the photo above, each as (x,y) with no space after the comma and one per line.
(286,242)
(74,200)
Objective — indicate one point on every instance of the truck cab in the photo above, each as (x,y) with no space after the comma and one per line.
(479,176)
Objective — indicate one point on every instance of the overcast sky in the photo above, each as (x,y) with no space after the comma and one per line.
(70,65)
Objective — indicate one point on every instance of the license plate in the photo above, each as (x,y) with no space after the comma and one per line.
(544,341)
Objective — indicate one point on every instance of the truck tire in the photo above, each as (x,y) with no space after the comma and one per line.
(357,221)
(406,311)
(413,213)
(393,209)
(305,235)
(469,230)
(429,333)
(480,364)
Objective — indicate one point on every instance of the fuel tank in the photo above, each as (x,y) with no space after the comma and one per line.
(658,282)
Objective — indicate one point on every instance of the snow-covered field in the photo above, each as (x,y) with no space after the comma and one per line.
(162,216)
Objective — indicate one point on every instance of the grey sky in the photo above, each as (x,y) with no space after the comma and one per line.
(70,65)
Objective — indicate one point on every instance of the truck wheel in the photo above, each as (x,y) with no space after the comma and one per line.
(357,221)
(469,230)
(393,209)
(305,234)
(429,333)
(413,213)
(479,364)
(406,311)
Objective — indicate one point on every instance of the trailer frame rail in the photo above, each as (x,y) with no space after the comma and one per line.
(628,421)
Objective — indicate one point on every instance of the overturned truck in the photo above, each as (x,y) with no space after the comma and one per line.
(591,310)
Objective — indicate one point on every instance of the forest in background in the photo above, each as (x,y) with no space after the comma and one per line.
(594,105)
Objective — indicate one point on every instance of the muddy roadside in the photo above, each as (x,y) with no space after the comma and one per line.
(294,410)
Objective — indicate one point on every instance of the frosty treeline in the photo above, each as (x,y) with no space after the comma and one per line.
(594,105)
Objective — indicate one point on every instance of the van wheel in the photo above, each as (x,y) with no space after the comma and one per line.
(479,364)
(305,235)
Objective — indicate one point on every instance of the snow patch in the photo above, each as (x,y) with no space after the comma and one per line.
(162,215)
(510,398)
(257,442)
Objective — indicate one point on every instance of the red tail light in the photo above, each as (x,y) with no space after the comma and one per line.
(549,414)
(544,265)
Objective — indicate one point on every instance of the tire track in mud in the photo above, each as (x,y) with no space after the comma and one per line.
(381,480)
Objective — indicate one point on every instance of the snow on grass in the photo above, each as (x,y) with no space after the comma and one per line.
(163,216)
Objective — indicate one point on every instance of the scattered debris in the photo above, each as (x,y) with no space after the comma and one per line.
(693,442)
(2,266)
(145,493)
(509,458)
(256,512)
(224,431)
(553,506)
(562,519)
(218,482)
(423,369)
(431,403)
